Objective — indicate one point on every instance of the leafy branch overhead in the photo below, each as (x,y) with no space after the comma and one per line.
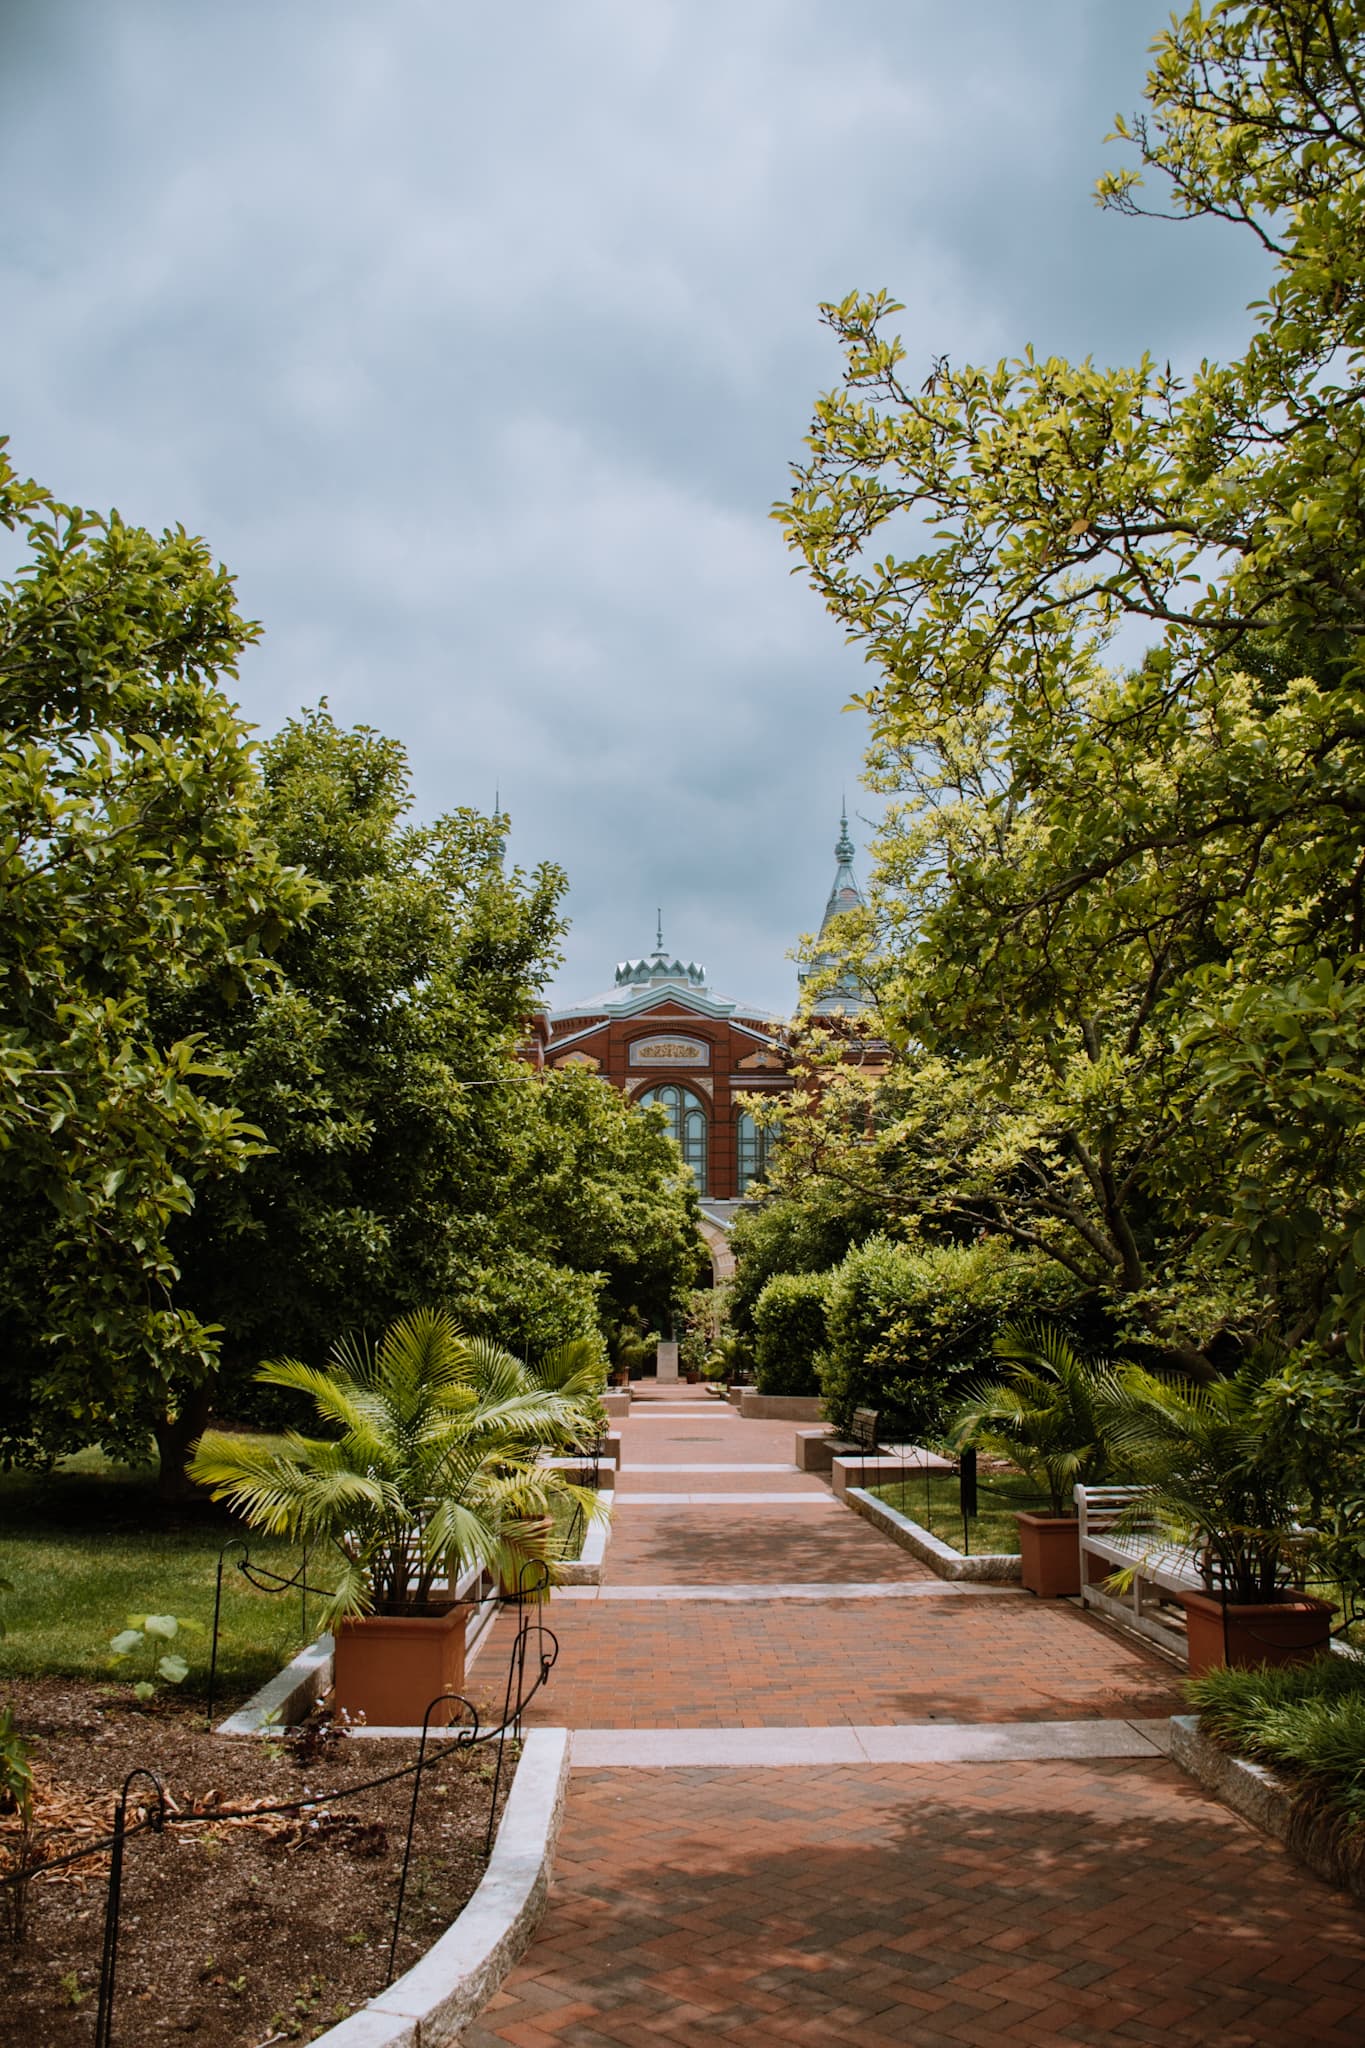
(1119,904)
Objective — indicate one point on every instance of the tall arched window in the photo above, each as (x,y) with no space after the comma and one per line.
(755,1149)
(686,1126)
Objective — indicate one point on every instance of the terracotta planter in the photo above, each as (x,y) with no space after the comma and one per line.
(390,1667)
(1050,1555)
(1291,1630)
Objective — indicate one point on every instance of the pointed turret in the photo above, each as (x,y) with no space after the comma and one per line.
(845,995)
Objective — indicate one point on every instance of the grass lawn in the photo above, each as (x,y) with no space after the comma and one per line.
(88,1544)
(999,1496)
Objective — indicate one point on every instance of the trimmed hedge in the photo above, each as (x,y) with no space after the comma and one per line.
(789,1324)
(908,1325)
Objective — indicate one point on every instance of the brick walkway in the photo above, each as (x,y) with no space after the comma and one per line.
(1088,1901)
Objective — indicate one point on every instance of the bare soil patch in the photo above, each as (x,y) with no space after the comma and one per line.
(237,1933)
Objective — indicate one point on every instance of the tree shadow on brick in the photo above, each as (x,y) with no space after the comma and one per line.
(1097,1903)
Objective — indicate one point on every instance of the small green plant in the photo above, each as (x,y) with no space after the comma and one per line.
(147,1637)
(69,1984)
(16,1772)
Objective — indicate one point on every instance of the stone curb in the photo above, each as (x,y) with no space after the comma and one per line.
(586,1569)
(993,1566)
(288,1696)
(1256,1794)
(434,2001)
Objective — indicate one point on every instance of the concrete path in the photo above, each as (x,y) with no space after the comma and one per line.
(820,1797)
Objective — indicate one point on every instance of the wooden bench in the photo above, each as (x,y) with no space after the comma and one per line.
(1159,1569)
(863,1434)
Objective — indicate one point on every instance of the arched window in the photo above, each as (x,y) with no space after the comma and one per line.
(756,1146)
(686,1126)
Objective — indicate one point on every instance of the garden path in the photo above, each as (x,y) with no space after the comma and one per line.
(822,1797)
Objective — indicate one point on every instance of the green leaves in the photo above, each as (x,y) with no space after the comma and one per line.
(130,860)
(436,1457)
(145,1637)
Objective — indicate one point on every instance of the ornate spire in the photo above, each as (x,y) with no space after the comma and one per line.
(845,995)
(659,931)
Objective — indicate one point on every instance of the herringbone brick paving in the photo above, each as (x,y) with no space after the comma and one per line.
(1030,1904)
(711,1546)
(792,1663)
(1077,1903)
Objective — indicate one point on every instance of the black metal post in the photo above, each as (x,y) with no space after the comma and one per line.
(472,1736)
(104,2016)
(966,1482)
(233,1542)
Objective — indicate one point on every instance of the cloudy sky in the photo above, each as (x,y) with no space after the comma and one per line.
(478,340)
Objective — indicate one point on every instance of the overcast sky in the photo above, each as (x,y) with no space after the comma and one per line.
(478,339)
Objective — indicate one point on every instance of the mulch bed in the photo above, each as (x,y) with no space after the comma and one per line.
(234,1933)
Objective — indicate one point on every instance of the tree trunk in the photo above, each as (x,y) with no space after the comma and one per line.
(174,1435)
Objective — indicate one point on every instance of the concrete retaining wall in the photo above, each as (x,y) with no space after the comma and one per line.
(853,1469)
(758,1407)
(993,1567)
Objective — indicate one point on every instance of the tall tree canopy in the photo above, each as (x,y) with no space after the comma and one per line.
(131,859)
(1117,919)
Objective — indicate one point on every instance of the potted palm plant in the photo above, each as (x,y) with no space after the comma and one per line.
(1045,1415)
(1214,1481)
(429,1465)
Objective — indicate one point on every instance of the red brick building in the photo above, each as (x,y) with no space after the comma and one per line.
(662,1035)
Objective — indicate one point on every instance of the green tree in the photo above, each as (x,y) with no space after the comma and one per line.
(414,1158)
(1101,896)
(131,861)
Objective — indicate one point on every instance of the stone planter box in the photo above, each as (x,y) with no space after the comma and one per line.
(992,1567)
(758,1407)
(1259,1796)
(853,1469)
(816,1450)
(617,1404)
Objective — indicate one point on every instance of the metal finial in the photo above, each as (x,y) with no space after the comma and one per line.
(659,932)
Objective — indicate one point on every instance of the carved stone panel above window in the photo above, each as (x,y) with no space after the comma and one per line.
(670,1049)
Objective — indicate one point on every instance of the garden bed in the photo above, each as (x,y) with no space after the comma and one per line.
(233,1932)
(1285,1748)
(933,1504)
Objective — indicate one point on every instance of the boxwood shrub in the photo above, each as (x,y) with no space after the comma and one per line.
(909,1325)
(789,1326)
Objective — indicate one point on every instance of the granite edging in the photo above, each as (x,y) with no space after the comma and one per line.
(992,1566)
(431,2004)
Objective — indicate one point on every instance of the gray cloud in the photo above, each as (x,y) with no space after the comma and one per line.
(478,342)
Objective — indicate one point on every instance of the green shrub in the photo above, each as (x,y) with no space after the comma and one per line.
(1306,1719)
(790,1327)
(908,1325)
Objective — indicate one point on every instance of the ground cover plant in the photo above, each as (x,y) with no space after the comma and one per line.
(935,1503)
(233,1932)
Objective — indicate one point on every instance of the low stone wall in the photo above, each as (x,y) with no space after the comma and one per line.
(992,1566)
(617,1404)
(851,1468)
(816,1450)
(758,1407)
(586,1569)
(432,2003)
(1262,1798)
